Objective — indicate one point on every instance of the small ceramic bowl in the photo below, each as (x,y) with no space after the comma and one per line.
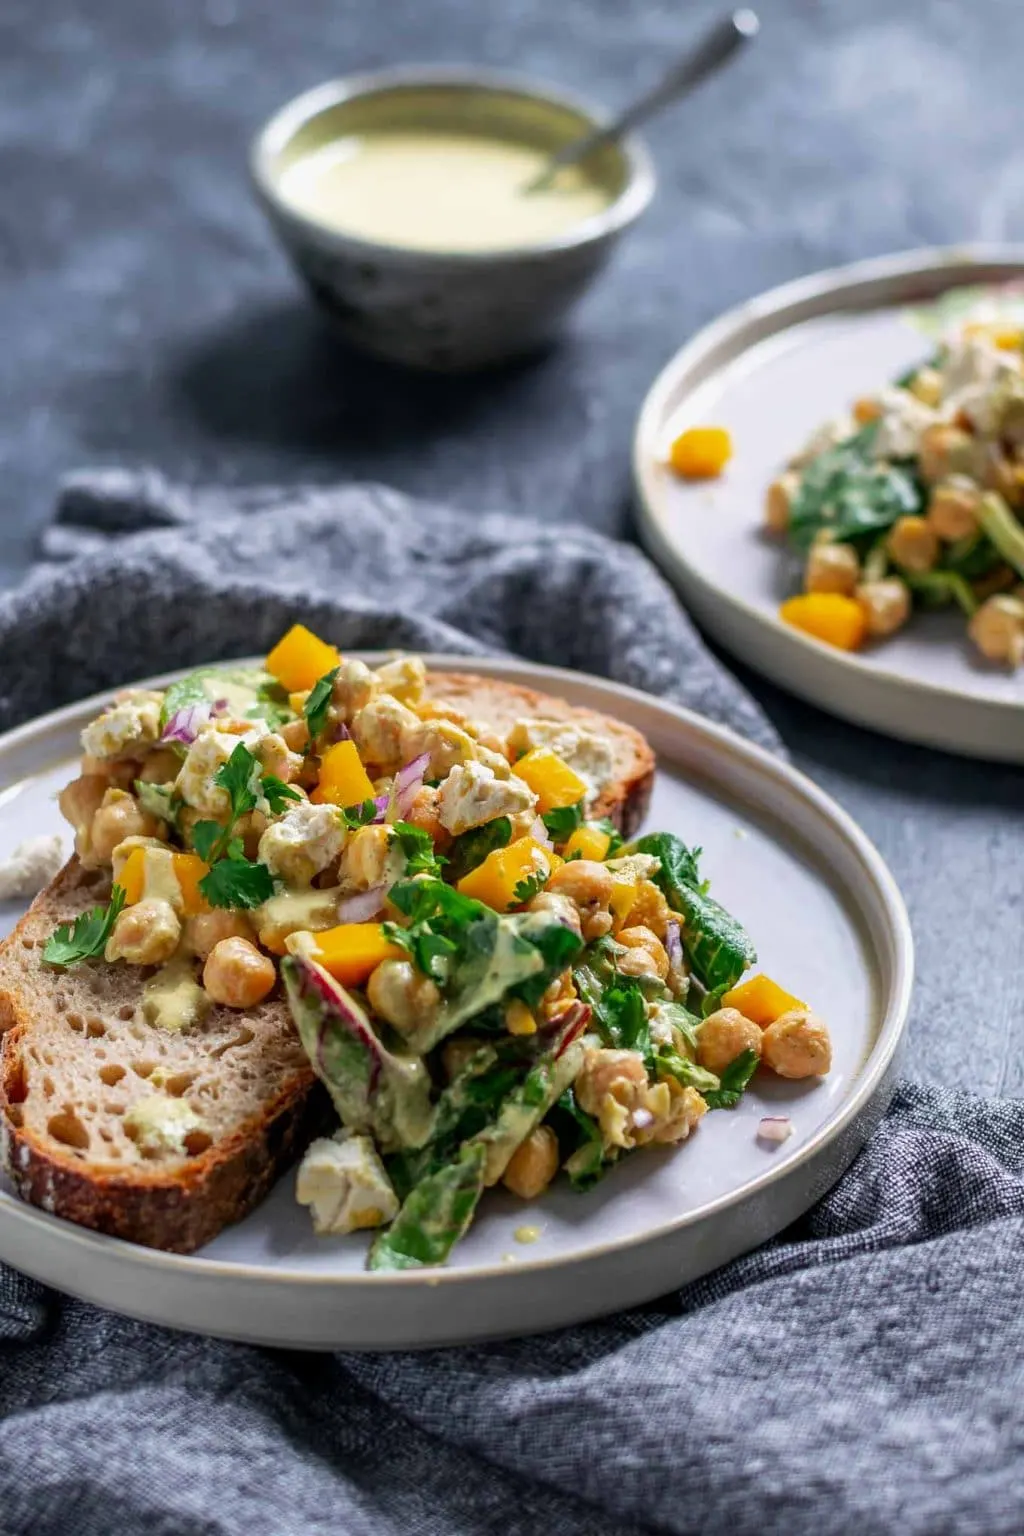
(439,310)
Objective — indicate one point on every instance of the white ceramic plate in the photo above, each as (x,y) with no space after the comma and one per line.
(828,921)
(771,371)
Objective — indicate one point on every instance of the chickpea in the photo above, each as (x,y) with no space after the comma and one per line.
(457,1054)
(533,1164)
(676,1118)
(946,450)
(832,568)
(353,688)
(399,994)
(913,544)
(597,925)
(146,934)
(797,1045)
(206,930)
(118,772)
(276,758)
(120,815)
(558,907)
(160,767)
(641,940)
(723,1036)
(926,386)
(237,975)
(81,799)
(885,605)
(650,909)
(423,813)
(365,858)
(778,502)
(608,1072)
(952,509)
(997,629)
(584,881)
(295,735)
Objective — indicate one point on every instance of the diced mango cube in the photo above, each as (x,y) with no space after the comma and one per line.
(828,616)
(589,842)
(343,779)
(554,783)
(494,881)
(299,658)
(189,869)
(132,878)
(352,951)
(623,899)
(701,453)
(761,1000)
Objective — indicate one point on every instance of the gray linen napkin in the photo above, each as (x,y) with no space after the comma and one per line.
(864,1373)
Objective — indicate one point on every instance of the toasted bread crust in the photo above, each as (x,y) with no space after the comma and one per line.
(177,1212)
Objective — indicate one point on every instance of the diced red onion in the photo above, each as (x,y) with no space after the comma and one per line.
(642,1118)
(185,724)
(407,785)
(363,907)
(775,1128)
(569,1025)
(221,706)
(673,945)
(539,833)
(341,732)
(381,802)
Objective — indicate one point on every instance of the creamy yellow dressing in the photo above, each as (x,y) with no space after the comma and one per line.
(438,191)
(173,999)
(526,1234)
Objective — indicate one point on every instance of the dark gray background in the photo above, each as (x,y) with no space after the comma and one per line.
(147,317)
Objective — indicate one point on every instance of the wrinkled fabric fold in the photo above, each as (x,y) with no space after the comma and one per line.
(862,1373)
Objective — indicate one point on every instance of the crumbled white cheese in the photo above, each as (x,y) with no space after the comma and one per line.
(343,1182)
(471,795)
(404,678)
(634,866)
(975,378)
(32,865)
(587,753)
(904,418)
(207,754)
(303,842)
(159,1124)
(127,729)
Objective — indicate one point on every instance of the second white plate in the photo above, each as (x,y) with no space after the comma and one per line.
(771,372)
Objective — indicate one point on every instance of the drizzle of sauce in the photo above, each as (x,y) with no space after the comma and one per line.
(433,191)
(526,1234)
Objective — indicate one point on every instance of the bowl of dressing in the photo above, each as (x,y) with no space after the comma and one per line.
(400,198)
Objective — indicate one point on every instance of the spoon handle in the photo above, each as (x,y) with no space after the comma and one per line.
(719,44)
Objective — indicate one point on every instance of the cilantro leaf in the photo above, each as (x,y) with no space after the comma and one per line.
(605,824)
(318,703)
(240,776)
(276,793)
(562,823)
(470,850)
(205,837)
(581,1145)
(361,815)
(732,1082)
(418,848)
(529,886)
(237,882)
(85,937)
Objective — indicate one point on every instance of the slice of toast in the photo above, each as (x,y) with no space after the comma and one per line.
(78,1055)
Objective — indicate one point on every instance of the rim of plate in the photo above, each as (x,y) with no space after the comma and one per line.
(755,757)
(769,314)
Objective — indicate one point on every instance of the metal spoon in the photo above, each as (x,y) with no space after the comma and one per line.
(718,45)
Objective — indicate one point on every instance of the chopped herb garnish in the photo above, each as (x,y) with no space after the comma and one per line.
(562,823)
(233,880)
(469,851)
(528,887)
(276,793)
(732,1082)
(360,815)
(418,848)
(237,882)
(318,703)
(605,824)
(86,937)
